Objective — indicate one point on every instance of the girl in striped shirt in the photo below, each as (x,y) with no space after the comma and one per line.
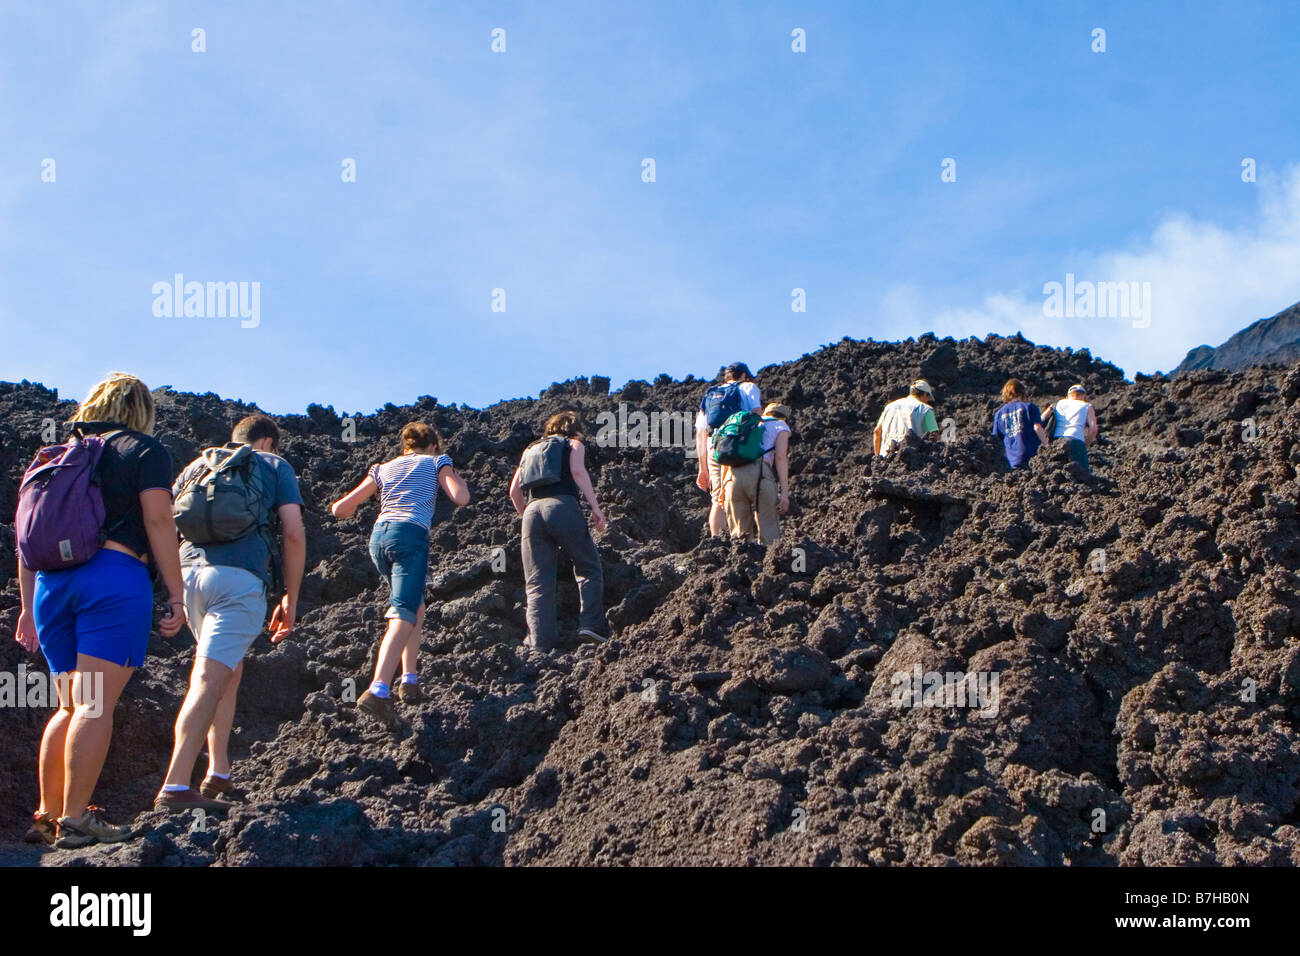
(399,546)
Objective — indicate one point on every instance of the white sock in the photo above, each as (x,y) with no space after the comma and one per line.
(173,788)
(410,678)
(219,776)
(379,688)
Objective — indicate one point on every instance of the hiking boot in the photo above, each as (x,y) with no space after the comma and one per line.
(178,801)
(409,693)
(216,786)
(90,827)
(381,708)
(44,829)
(590,635)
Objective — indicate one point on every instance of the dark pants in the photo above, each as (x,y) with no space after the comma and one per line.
(552,525)
(1078,452)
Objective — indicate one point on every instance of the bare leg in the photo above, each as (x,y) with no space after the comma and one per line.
(390,651)
(53,744)
(219,735)
(207,683)
(717,519)
(97,687)
(411,652)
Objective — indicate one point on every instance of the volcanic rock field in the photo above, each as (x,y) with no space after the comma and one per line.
(1139,626)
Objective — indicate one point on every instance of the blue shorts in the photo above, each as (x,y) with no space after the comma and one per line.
(400,550)
(103,608)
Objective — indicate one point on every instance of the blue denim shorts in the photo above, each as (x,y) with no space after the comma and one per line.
(103,608)
(400,550)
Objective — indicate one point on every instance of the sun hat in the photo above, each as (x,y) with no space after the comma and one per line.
(921,385)
(776,410)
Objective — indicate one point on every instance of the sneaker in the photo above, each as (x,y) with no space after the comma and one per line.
(178,801)
(409,693)
(216,786)
(90,827)
(381,708)
(590,636)
(44,829)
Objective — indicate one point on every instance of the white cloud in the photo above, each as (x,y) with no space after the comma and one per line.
(1207,282)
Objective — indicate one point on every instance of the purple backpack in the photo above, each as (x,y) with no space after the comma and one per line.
(60,521)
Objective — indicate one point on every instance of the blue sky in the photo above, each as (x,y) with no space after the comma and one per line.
(522,170)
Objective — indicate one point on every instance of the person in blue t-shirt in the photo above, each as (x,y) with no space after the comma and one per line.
(1019,423)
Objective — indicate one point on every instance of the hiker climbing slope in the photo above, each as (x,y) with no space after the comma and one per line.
(226,504)
(736,393)
(399,547)
(1019,424)
(544,490)
(911,414)
(758,488)
(1076,422)
(91,514)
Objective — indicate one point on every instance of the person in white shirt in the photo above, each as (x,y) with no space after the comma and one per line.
(913,413)
(407,487)
(1076,422)
(737,393)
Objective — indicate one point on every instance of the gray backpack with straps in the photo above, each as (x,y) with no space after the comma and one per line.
(221,501)
(543,462)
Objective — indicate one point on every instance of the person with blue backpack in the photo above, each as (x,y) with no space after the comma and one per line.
(91,515)
(737,393)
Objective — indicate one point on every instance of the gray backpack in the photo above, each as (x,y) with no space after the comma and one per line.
(221,502)
(543,462)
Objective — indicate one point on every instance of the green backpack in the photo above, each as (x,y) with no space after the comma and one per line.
(739,441)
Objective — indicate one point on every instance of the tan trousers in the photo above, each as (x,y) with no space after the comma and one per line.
(717,482)
(751,503)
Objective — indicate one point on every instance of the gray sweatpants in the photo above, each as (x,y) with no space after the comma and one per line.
(552,525)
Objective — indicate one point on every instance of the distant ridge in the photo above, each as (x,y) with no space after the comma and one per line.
(1273,341)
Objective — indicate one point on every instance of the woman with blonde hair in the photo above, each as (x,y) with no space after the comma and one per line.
(399,547)
(92,621)
(552,473)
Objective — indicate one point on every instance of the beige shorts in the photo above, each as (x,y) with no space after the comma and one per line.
(226,607)
(717,475)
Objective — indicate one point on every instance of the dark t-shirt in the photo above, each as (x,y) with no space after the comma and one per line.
(276,485)
(132,462)
(565,486)
(1015,422)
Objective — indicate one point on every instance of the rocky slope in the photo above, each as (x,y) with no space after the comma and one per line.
(1141,627)
(1271,341)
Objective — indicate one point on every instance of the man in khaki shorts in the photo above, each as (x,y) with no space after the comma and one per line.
(226,584)
(737,393)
